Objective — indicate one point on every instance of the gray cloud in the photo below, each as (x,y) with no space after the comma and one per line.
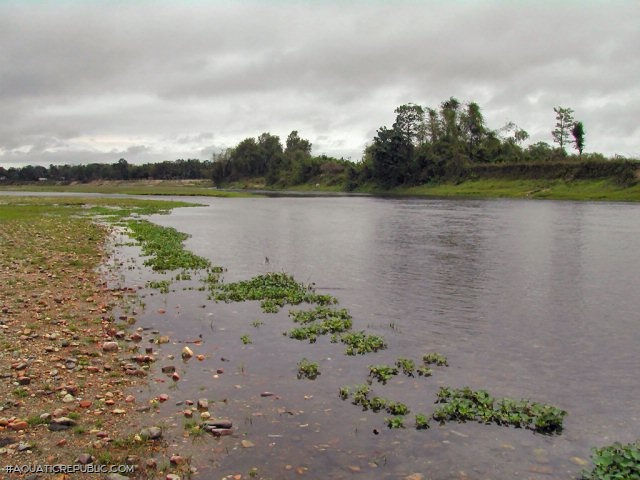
(94,80)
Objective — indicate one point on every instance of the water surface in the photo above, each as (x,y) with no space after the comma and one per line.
(527,299)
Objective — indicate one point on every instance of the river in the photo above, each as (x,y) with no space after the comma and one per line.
(527,299)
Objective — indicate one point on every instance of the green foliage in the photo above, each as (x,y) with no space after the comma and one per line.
(274,290)
(422,421)
(564,123)
(161,285)
(359,343)
(435,359)
(615,462)
(164,246)
(308,369)
(246,339)
(319,321)
(466,404)
(397,408)
(382,373)
(407,366)
(395,422)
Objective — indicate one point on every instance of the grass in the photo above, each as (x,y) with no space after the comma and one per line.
(605,190)
(174,188)
(164,247)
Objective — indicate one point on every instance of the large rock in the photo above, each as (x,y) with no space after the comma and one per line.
(151,433)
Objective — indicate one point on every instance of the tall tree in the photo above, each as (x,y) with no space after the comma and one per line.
(472,123)
(578,136)
(564,123)
(433,126)
(410,123)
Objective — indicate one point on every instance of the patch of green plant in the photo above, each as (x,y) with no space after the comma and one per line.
(320,321)
(424,371)
(382,373)
(344,392)
(397,408)
(422,421)
(435,359)
(615,462)
(257,323)
(273,290)
(164,246)
(359,343)
(394,422)
(407,366)
(161,285)
(21,392)
(246,339)
(34,420)
(467,404)
(307,369)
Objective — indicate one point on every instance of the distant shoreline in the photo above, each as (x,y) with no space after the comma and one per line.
(577,190)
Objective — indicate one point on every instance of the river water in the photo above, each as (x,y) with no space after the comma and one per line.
(527,299)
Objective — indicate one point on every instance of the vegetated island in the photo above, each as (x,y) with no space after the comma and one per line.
(442,152)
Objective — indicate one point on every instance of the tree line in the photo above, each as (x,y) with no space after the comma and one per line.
(424,145)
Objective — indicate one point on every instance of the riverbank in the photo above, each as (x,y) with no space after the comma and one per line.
(579,190)
(68,356)
(204,188)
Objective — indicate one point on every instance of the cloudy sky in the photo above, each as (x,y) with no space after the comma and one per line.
(84,81)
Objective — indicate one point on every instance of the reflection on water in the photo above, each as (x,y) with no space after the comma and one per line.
(527,299)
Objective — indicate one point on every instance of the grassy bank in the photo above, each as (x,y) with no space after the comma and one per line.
(605,190)
(65,395)
(133,187)
(592,190)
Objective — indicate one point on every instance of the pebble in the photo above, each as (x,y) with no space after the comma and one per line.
(152,433)
(579,461)
(175,376)
(172,476)
(205,415)
(203,404)
(68,398)
(168,369)
(247,444)
(163,397)
(187,353)
(84,459)
(116,476)
(176,459)
(414,476)
(130,399)
(110,347)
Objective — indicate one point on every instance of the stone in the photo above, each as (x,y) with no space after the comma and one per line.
(151,463)
(187,353)
(172,476)
(205,415)
(247,444)
(85,403)
(116,476)
(163,397)
(188,413)
(152,433)
(219,432)
(18,425)
(130,399)
(110,347)
(219,424)
(579,461)
(84,459)
(414,476)
(168,369)
(267,394)
(176,460)
(175,376)
(203,404)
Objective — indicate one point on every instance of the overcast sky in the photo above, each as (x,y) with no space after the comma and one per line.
(96,81)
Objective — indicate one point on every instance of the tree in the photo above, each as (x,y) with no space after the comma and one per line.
(473,128)
(564,122)
(390,155)
(578,136)
(297,144)
(410,123)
